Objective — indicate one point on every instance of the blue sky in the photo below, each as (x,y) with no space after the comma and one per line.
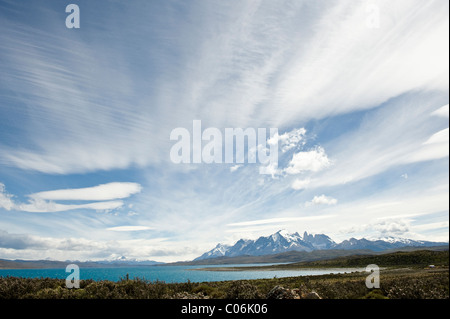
(358,91)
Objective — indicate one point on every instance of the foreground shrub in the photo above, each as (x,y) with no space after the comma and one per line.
(242,290)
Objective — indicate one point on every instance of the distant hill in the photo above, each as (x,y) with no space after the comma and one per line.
(33,264)
(283,241)
(286,257)
(418,258)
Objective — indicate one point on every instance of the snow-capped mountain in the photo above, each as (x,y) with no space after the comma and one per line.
(319,241)
(283,241)
(391,239)
(217,251)
(380,244)
(279,242)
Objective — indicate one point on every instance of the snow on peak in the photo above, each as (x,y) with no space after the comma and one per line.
(286,235)
(221,248)
(392,239)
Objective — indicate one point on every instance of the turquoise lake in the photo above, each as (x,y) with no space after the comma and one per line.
(169,273)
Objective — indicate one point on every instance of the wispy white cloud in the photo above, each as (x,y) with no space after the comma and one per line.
(430,226)
(41,206)
(441,137)
(442,111)
(348,66)
(277,220)
(382,212)
(298,184)
(235,168)
(97,193)
(435,147)
(390,227)
(399,227)
(6,201)
(289,140)
(129,228)
(43,202)
(392,136)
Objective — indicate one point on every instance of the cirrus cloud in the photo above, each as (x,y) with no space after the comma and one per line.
(443,111)
(101,192)
(128,228)
(299,184)
(105,197)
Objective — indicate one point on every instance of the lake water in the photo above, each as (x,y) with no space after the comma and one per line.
(170,273)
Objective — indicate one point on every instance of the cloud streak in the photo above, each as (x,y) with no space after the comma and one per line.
(129,228)
(97,193)
(40,206)
(277,220)
(43,202)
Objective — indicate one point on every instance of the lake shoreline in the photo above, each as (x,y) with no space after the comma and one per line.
(177,274)
(278,268)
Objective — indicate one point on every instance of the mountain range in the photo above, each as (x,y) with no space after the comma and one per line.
(282,241)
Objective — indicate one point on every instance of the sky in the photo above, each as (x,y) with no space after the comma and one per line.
(357,90)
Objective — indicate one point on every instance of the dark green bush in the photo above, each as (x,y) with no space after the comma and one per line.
(242,290)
